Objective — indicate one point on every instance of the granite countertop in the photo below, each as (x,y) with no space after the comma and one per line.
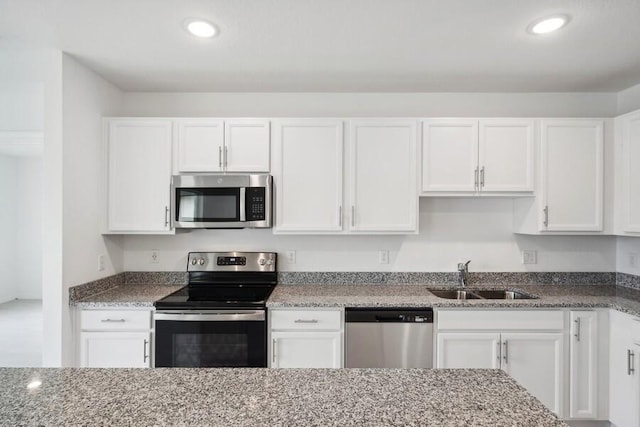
(552,296)
(240,397)
(131,295)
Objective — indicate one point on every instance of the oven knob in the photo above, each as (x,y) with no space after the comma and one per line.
(194,261)
(261,261)
(201,261)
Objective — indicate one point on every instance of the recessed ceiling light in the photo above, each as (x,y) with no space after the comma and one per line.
(200,28)
(548,24)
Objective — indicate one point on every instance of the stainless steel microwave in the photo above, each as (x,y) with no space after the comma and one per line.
(221,201)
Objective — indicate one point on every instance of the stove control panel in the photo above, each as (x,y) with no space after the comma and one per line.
(232,261)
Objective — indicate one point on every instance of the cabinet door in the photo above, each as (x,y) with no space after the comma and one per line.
(138,175)
(506,155)
(307,174)
(572,175)
(624,382)
(583,388)
(468,350)
(306,349)
(449,155)
(246,145)
(200,145)
(535,361)
(631,172)
(383,194)
(115,350)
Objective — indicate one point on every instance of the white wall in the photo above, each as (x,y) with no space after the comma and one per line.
(628,247)
(629,99)
(8,231)
(29,228)
(86,98)
(451,230)
(370,104)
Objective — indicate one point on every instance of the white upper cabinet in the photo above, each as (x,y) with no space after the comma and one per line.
(469,156)
(630,133)
(449,155)
(307,174)
(572,166)
(383,194)
(138,175)
(379,194)
(230,145)
(506,155)
(200,145)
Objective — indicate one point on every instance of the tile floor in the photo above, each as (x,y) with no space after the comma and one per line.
(21,333)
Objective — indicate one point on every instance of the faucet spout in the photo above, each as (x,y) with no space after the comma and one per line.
(463,273)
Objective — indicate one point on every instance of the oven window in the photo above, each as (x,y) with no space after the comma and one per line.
(207,204)
(212,350)
(210,344)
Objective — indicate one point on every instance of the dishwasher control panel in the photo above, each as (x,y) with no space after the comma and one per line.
(389,315)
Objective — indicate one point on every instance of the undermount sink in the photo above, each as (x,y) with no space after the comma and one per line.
(480,294)
(502,294)
(454,294)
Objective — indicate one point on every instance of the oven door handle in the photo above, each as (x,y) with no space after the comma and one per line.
(222,316)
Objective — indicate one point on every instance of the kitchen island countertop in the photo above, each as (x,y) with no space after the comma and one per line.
(253,396)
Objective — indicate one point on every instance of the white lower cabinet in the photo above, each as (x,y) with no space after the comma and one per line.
(624,379)
(115,339)
(306,338)
(583,361)
(514,341)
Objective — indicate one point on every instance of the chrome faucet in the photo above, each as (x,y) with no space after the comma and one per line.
(463,273)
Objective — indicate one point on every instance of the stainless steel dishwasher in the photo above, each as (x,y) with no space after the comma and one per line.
(389,338)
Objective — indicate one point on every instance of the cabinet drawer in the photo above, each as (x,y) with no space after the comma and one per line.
(503,320)
(115,320)
(306,319)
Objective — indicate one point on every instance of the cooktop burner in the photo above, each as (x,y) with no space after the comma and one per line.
(219,280)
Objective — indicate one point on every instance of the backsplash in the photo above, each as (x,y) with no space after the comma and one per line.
(628,280)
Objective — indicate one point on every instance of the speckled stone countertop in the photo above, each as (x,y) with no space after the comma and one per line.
(623,299)
(130,295)
(279,397)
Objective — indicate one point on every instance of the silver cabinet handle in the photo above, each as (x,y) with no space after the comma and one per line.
(146,355)
(220,157)
(475,178)
(499,352)
(340,215)
(305,321)
(274,346)
(226,157)
(546,216)
(113,320)
(505,355)
(353,215)
(631,362)
(166,216)
(577,334)
(482,177)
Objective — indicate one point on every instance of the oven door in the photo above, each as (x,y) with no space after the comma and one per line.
(211,339)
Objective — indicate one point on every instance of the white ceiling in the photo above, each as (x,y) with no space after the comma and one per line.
(340,45)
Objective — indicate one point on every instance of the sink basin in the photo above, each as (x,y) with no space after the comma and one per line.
(501,294)
(454,294)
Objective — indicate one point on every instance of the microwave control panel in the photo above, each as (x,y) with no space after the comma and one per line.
(255,204)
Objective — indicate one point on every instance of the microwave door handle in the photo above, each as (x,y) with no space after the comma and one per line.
(243,216)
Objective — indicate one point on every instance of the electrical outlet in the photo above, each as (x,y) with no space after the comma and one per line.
(383,256)
(529,256)
(154,257)
(633,260)
(100,262)
(291,257)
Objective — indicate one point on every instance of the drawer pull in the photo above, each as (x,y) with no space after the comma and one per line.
(113,320)
(577,334)
(631,362)
(146,355)
(305,321)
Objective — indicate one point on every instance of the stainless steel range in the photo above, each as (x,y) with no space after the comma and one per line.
(219,318)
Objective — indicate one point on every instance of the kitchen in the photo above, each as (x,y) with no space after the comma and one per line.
(448,230)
